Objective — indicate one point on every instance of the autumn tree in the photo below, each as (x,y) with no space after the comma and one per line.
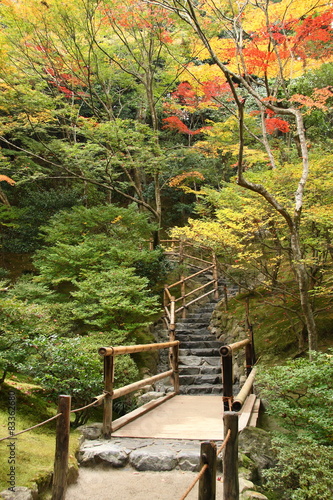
(258,47)
(100,70)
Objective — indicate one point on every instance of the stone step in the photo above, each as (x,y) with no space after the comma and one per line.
(201,389)
(196,370)
(202,316)
(199,352)
(202,332)
(200,344)
(180,327)
(195,337)
(200,379)
(200,361)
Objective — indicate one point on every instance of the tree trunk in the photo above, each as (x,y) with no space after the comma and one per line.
(303,286)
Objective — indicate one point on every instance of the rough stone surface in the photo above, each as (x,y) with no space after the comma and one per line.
(189,460)
(20,493)
(244,485)
(142,454)
(153,458)
(93,431)
(112,455)
(252,495)
(149,396)
(255,443)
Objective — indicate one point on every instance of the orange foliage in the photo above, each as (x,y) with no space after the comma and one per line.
(7,179)
(176,181)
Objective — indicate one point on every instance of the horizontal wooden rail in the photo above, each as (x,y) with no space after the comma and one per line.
(244,392)
(127,389)
(168,293)
(226,350)
(195,300)
(196,258)
(184,280)
(131,349)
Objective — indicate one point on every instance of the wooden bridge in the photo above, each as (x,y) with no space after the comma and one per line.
(175,415)
(188,417)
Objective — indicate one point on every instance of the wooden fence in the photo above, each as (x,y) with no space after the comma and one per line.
(180,295)
(109,354)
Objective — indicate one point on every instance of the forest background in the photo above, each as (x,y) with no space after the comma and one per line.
(125,121)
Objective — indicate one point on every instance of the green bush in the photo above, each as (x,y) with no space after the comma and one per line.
(299,396)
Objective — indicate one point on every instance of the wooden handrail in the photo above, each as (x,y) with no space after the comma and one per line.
(245,391)
(127,389)
(131,349)
(189,277)
(195,300)
(109,354)
(196,258)
(226,350)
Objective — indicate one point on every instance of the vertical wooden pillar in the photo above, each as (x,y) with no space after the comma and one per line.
(230,458)
(225,292)
(215,277)
(182,278)
(59,483)
(174,351)
(249,358)
(108,388)
(207,483)
(227,379)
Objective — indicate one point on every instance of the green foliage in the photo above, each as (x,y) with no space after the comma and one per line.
(89,240)
(72,366)
(34,208)
(303,471)
(299,394)
(115,300)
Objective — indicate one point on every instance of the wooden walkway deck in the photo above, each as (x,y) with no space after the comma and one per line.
(188,417)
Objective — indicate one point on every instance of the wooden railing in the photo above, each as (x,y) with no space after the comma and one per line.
(109,354)
(226,351)
(177,295)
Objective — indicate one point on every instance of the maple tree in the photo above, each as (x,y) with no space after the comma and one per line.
(101,64)
(258,47)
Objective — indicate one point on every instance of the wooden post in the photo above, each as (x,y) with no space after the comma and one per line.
(182,278)
(207,483)
(174,350)
(108,388)
(225,291)
(227,379)
(230,458)
(59,483)
(249,358)
(215,277)
(174,360)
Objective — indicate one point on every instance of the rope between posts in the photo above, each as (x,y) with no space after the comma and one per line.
(199,476)
(225,442)
(205,467)
(97,400)
(33,427)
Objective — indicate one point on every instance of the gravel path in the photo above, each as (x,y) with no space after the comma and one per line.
(127,484)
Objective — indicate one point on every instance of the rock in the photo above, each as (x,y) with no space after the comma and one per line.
(155,458)
(20,493)
(251,495)
(189,460)
(244,485)
(255,443)
(149,396)
(91,431)
(108,454)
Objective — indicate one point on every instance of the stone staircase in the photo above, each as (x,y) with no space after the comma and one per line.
(199,356)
